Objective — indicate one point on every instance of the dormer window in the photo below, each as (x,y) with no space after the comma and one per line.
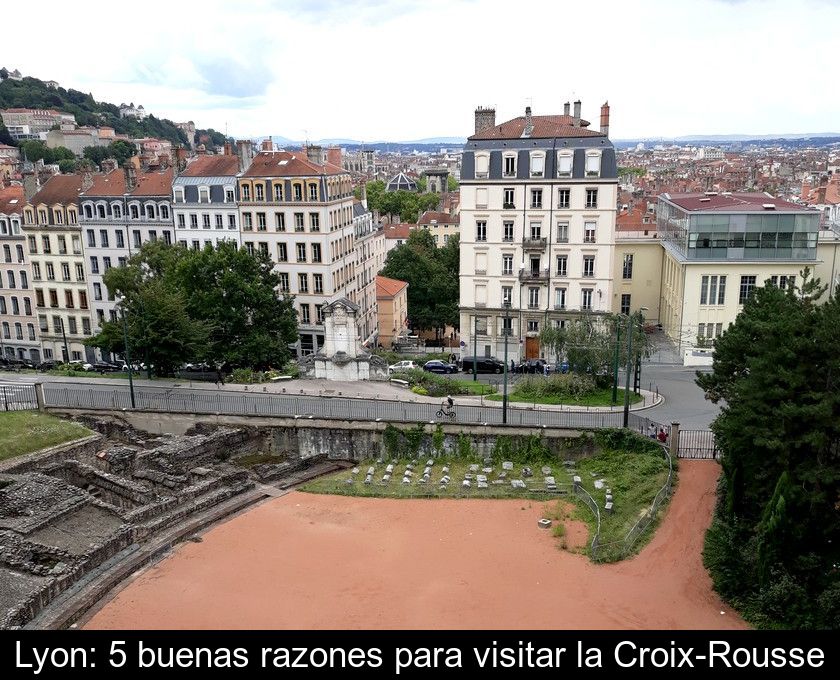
(278,192)
(509,166)
(593,164)
(313,192)
(482,165)
(203,194)
(259,192)
(179,195)
(564,164)
(117,210)
(246,192)
(88,211)
(537,164)
(100,212)
(150,212)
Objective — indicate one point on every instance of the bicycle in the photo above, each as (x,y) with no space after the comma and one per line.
(443,412)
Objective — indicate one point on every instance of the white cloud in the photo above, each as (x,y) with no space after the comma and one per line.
(371,69)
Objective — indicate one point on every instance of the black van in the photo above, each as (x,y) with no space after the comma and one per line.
(484,365)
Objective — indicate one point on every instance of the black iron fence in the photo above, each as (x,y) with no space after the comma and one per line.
(697,444)
(18,397)
(180,400)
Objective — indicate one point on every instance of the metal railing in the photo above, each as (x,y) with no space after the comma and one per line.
(210,401)
(18,397)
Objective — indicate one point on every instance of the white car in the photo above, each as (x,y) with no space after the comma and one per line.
(402,366)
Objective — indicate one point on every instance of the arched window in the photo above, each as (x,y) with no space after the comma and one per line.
(88,208)
(150,211)
(100,211)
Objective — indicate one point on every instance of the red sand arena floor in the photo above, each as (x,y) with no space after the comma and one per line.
(306,561)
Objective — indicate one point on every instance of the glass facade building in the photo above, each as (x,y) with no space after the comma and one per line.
(763,234)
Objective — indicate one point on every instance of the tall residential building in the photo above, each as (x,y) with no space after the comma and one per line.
(538,207)
(204,202)
(370,258)
(51,226)
(718,248)
(300,213)
(18,331)
(118,212)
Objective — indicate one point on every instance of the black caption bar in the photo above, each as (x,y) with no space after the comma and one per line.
(93,654)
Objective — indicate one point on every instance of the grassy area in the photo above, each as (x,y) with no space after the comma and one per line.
(475,387)
(27,431)
(602,397)
(634,478)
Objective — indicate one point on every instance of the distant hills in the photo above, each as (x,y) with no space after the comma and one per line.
(32,93)
(434,141)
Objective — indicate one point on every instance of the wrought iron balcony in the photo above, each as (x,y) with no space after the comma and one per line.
(534,243)
(535,275)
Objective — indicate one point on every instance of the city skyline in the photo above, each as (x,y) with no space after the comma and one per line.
(284,68)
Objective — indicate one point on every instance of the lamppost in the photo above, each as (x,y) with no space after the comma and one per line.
(475,350)
(127,349)
(629,368)
(66,356)
(507,329)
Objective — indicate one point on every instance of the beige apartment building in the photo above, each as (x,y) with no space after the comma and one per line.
(300,213)
(441,225)
(370,258)
(51,226)
(392,302)
(538,208)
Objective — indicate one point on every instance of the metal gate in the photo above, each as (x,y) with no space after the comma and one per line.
(17,397)
(698,444)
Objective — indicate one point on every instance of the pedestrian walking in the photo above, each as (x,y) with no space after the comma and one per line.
(652,431)
(662,436)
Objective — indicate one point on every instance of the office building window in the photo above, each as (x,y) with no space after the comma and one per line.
(713,290)
(627,266)
(747,287)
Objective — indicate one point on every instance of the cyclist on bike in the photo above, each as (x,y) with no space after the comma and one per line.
(450,402)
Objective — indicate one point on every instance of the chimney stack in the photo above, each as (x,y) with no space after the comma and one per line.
(605,119)
(313,153)
(364,195)
(576,118)
(228,149)
(243,147)
(267,144)
(567,109)
(130,177)
(31,185)
(484,118)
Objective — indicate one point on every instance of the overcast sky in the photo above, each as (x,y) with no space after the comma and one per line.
(410,69)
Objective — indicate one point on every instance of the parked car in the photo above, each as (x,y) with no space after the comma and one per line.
(104,367)
(483,365)
(437,366)
(48,365)
(402,366)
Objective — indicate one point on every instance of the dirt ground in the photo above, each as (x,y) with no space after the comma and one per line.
(308,561)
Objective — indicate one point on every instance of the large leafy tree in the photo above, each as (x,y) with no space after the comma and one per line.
(775,542)
(119,149)
(432,276)
(217,305)
(36,150)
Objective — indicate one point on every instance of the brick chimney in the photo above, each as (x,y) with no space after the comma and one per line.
(484,118)
(130,177)
(567,109)
(228,149)
(605,119)
(245,153)
(313,153)
(334,155)
(576,118)
(267,145)
(364,195)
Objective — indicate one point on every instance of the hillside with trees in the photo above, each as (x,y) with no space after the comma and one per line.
(32,93)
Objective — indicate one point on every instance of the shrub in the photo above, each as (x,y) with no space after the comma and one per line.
(435,385)
(558,530)
(417,389)
(292,369)
(560,385)
(438,439)
(243,376)
(619,439)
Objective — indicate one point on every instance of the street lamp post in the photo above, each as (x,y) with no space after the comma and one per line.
(66,356)
(507,330)
(475,350)
(127,350)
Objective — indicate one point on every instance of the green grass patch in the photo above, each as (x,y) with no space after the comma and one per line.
(475,387)
(253,459)
(601,397)
(23,432)
(634,474)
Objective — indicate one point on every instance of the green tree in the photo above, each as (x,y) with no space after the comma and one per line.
(375,193)
(121,150)
(777,370)
(5,137)
(451,183)
(422,183)
(67,166)
(432,276)
(36,150)
(427,202)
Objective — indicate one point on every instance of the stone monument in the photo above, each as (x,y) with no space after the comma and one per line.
(341,357)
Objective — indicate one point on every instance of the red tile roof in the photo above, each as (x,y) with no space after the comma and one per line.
(399,230)
(389,288)
(154,183)
(734,202)
(212,166)
(109,184)
(59,189)
(11,199)
(287,164)
(440,217)
(544,127)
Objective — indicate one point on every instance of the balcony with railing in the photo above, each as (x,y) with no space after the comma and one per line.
(534,275)
(534,243)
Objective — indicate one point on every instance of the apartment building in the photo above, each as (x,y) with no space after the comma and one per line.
(370,258)
(300,213)
(29,123)
(537,216)
(118,212)
(441,225)
(718,247)
(18,330)
(204,202)
(54,239)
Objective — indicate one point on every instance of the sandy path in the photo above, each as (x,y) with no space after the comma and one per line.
(306,561)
